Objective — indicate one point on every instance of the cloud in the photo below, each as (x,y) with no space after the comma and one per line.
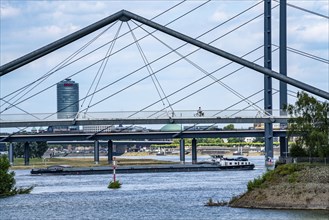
(7,11)
(317,32)
(220,16)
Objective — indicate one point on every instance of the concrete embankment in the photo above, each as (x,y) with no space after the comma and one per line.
(289,187)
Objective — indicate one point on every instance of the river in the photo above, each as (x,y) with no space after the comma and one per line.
(142,196)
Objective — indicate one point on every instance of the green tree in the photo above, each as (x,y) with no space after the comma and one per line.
(41,148)
(309,119)
(229,127)
(37,149)
(7,180)
(18,149)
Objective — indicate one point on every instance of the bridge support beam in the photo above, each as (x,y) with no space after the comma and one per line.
(194,151)
(11,153)
(110,152)
(96,152)
(267,79)
(182,150)
(283,71)
(26,153)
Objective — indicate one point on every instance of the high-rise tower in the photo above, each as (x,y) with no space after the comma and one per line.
(67,99)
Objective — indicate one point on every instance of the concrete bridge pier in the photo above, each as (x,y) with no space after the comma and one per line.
(194,152)
(26,153)
(110,152)
(11,153)
(96,152)
(182,150)
(283,146)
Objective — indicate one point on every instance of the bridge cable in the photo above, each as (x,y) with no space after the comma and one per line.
(303,9)
(53,70)
(170,52)
(174,61)
(256,102)
(190,84)
(128,45)
(64,65)
(276,91)
(154,78)
(305,54)
(204,87)
(169,9)
(101,69)
(206,72)
(210,126)
(197,49)
(43,78)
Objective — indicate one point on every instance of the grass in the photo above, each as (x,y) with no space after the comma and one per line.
(289,170)
(80,162)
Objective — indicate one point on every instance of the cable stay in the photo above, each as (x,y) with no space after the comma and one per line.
(101,70)
(50,72)
(156,60)
(236,93)
(202,88)
(305,10)
(308,55)
(64,64)
(26,112)
(162,56)
(153,76)
(192,83)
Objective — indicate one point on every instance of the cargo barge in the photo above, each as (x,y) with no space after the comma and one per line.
(64,170)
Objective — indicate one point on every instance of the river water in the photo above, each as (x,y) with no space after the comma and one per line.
(142,196)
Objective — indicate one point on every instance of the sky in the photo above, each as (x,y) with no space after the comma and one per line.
(28,25)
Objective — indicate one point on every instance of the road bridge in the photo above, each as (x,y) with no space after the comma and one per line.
(110,137)
(76,136)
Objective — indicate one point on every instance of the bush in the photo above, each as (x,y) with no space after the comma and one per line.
(257,182)
(282,170)
(7,180)
(297,151)
(114,185)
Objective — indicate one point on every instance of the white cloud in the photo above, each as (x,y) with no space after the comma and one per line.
(7,11)
(220,16)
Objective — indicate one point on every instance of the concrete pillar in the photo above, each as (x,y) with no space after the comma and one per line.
(96,152)
(283,71)
(26,153)
(267,79)
(182,150)
(283,146)
(194,152)
(11,154)
(110,152)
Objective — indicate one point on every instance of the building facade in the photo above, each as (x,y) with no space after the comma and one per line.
(67,99)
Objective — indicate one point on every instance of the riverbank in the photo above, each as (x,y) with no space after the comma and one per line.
(81,162)
(289,186)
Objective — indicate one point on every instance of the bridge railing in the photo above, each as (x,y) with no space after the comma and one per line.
(141,115)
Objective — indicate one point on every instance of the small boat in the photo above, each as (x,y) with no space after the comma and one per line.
(239,163)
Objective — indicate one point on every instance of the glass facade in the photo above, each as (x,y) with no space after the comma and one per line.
(67,99)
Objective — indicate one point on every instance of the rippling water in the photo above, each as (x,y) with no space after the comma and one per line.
(142,196)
